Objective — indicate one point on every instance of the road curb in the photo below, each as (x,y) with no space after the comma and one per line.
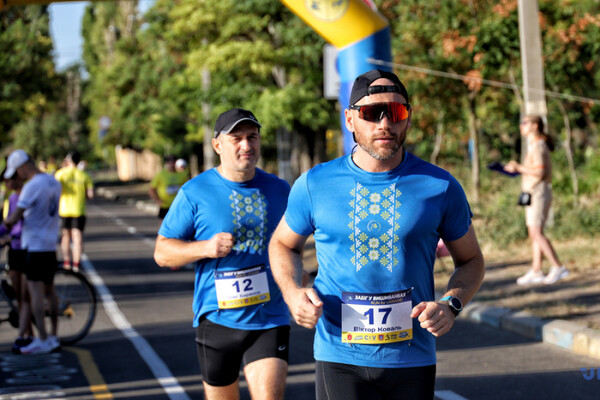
(567,335)
(106,193)
(147,206)
(524,324)
(487,315)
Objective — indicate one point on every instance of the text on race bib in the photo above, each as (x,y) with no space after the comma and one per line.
(381,318)
(242,288)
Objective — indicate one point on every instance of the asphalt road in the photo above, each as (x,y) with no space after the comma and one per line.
(142,343)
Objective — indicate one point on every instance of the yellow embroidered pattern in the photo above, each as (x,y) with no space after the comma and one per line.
(373,223)
(250,221)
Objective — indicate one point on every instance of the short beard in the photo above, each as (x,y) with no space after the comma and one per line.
(381,157)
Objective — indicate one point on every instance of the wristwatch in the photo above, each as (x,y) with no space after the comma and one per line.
(454,303)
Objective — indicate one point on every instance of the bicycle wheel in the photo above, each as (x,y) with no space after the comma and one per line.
(76,305)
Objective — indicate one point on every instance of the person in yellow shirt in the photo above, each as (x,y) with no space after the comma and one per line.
(165,184)
(51,166)
(77,187)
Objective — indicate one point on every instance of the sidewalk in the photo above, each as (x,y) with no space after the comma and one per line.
(498,287)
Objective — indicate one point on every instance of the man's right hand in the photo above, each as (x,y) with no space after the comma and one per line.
(306,306)
(220,245)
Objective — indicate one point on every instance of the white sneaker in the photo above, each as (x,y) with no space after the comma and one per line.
(55,342)
(39,346)
(556,274)
(531,278)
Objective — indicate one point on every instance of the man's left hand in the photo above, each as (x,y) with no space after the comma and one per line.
(436,317)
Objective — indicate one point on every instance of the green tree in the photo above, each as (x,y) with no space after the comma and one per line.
(40,108)
(481,40)
(29,85)
(151,83)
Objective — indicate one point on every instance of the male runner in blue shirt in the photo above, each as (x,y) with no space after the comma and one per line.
(222,221)
(376,216)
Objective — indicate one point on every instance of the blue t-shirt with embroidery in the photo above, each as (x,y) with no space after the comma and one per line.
(210,204)
(376,233)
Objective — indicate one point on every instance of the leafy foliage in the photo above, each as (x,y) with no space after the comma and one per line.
(150,82)
(149,75)
(34,109)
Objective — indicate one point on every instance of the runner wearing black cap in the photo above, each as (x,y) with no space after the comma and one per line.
(376,216)
(222,221)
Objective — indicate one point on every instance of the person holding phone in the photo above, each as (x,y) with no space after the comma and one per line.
(536,172)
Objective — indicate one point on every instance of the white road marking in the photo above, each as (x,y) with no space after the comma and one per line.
(448,395)
(158,367)
(130,229)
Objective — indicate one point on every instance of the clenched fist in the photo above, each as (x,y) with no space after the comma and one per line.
(220,245)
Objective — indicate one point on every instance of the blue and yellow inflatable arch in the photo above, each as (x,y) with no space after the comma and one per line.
(354,27)
(357,31)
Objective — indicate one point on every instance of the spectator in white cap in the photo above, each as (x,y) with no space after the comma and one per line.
(181,166)
(164,186)
(38,206)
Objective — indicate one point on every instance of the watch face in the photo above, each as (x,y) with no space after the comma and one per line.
(455,303)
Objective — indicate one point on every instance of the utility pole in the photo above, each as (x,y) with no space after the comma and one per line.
(207,149)
(531,58)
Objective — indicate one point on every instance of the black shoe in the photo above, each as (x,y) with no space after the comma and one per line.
(19,343)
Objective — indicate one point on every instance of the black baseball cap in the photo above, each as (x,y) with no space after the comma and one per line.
(227,121)
(362,85)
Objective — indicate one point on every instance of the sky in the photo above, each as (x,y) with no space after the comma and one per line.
(65,29)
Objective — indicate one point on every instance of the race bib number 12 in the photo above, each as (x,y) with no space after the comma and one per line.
(242,288)
(369,318)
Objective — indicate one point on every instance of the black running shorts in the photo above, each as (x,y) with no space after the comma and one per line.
(17,260)
(73,223)
(221,350)
(351,382)
(41,266)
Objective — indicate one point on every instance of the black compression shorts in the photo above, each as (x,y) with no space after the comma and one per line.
(221,350)
(41,266)
(351,382)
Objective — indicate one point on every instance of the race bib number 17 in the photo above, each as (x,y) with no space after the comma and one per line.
(242,288)
(381,318)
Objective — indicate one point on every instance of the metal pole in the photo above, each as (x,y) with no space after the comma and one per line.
(531,58)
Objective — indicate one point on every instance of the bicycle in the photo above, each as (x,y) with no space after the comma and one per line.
(76,305)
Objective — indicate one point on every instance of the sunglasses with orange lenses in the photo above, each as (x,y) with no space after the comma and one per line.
(395,112)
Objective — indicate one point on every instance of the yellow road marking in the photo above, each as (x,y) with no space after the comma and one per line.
(89,368)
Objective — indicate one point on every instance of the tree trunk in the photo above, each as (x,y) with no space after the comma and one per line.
(301,153)
(284,154)
(439,136)
(569,152)
(320,148)
(207,149)
(474,139)
(73,106)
